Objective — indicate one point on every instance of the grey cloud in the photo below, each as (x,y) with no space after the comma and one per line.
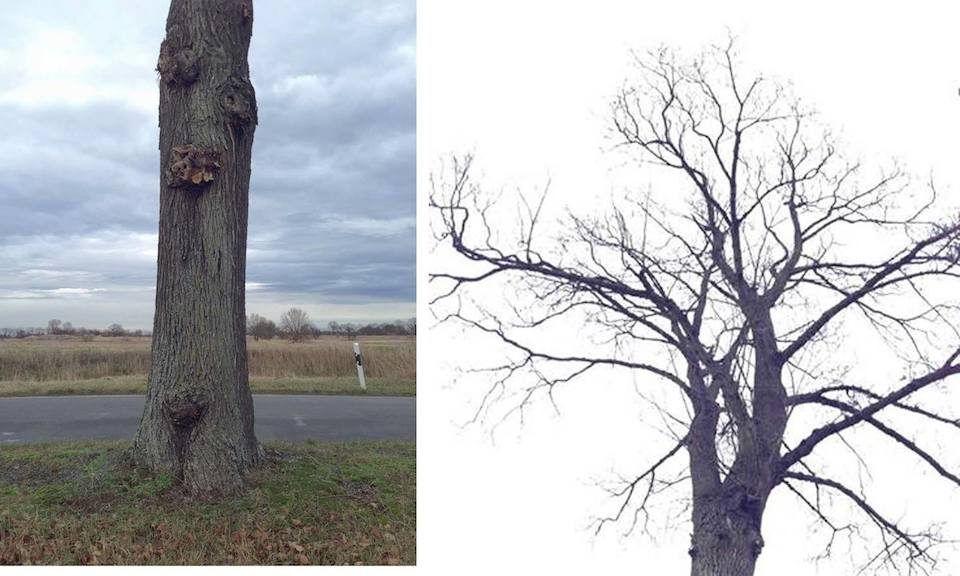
(78,170)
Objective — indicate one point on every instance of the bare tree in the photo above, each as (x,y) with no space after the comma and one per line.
(295,324)
(197,424)
(54,326)
(723,283)
(261,328)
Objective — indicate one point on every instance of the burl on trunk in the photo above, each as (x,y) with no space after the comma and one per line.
(197,424)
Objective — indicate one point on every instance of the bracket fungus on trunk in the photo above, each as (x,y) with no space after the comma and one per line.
(191,167)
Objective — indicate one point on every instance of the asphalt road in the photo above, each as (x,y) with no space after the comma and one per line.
(278,417)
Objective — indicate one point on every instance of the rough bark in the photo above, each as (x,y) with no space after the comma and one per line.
(197,424)
(726,533)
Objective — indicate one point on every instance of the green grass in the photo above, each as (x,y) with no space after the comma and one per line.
(137,384)
(314,503)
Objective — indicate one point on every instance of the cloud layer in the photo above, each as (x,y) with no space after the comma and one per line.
(332,215)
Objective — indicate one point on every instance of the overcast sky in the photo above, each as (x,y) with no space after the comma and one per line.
(332,214)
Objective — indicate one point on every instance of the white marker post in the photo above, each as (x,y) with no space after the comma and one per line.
(359,359)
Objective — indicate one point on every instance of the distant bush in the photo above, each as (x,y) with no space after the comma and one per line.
(260,328)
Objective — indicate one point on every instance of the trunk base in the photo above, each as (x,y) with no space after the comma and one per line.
(207,449)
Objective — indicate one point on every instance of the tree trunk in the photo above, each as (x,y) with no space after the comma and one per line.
(197,424)
(726,538)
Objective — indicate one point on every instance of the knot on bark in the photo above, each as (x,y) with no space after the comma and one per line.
(238,102)
(745,502)
(178,66)
(185,412)
(756,546)
(246,10)
(192,167)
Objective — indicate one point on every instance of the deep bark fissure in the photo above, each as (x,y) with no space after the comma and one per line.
(197,424)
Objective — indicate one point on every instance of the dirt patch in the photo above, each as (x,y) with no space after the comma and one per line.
(37,472)
(364,492)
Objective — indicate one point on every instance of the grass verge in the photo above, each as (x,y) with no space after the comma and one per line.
(315,503)
(137,384)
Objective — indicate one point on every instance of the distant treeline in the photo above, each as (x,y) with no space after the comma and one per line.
(294,325)
(58,328)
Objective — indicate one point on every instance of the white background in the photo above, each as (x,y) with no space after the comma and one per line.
(525,86)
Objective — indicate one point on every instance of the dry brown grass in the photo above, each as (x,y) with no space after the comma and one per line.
(384,357)
(71,358)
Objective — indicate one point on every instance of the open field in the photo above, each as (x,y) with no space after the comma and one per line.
(315,503)
(101,365)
